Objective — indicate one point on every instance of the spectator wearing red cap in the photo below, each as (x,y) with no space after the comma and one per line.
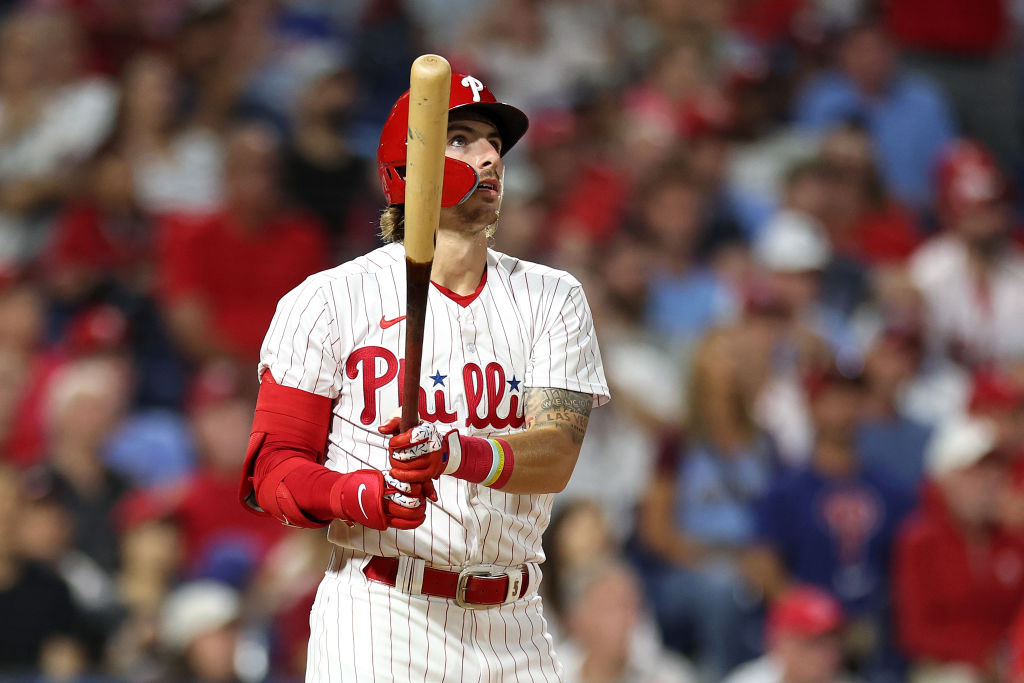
(958,575)
(971,276)
(998,398)
(222,275)
(803,639)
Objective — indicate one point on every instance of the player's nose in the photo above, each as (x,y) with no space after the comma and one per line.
(487,156)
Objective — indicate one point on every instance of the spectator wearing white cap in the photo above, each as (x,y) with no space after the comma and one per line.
(199,625)
(803,634)
(794,252)
(959,575)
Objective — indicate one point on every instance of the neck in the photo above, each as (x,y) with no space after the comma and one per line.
(880,405)
(459,260)
(80,466)
(834,458)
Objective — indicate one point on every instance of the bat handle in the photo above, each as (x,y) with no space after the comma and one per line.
(417,287)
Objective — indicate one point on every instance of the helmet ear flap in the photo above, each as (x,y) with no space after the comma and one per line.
(460,180)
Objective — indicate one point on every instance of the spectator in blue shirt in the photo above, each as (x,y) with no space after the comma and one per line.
(889,441)
(909,118)
(832,523)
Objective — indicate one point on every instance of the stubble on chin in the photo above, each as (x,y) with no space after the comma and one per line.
(474,216)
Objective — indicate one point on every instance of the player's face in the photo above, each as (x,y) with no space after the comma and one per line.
(475,140)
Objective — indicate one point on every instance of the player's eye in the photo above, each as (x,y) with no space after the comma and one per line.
(496,144)
(457,141)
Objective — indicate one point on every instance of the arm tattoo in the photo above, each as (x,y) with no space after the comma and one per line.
(561,408)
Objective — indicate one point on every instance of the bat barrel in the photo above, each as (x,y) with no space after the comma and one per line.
(429,86)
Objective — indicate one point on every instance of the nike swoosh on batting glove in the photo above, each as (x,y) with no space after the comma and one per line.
(375,500)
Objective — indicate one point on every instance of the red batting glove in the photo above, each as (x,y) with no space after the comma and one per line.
(377,500)
(417,455)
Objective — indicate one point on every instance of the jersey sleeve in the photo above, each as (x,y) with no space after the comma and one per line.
(566,355)
(302,345)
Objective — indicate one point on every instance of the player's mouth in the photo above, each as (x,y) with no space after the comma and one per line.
(490,185)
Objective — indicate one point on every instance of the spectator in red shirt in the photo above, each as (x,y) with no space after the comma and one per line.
(223,274)
(216,530)
(864,223)
(958,575)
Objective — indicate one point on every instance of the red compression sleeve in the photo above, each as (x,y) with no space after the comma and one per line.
(282,475)
(282,461)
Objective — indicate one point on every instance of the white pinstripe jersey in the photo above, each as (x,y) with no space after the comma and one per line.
(530,326)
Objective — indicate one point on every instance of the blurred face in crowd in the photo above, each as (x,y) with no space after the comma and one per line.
(836,410)
(889,364)
(808,659)
(329,99)
(625,279)
(679,70)
(21,317)
(63,53)
(519,22)
(21,54)
(211,656)
(974,494)
(582,535)
(222,431)
(709,155)
(152,548)
(89,398)
(605,615)
(148,90)
(672,212)
(808,192)
(848,148)
(869,59)
(113,188)
(984,225)
(472,138)
(797,289)
(251,174)
(45,531)
(201,43)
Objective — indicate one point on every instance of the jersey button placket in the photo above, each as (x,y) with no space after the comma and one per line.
(467,334)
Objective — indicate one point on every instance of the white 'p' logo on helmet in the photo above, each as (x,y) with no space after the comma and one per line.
(475,85)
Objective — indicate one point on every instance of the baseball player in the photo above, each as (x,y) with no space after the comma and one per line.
(437,529)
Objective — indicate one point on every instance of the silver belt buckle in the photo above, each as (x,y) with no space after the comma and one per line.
(476,570)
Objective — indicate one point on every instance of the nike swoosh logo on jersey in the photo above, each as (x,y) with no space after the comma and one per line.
(359,499)
(385,323)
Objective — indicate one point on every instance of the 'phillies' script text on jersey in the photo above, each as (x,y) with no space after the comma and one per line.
(485,387)
(339,335)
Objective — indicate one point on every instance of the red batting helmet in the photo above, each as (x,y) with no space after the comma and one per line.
(467,94)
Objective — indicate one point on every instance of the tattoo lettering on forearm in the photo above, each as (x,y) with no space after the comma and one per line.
(567,410)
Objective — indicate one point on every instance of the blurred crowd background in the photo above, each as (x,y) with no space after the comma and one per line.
(797,225)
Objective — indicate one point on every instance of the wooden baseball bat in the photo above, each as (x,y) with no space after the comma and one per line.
(429,86)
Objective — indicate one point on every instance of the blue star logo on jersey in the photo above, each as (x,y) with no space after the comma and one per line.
(513,384)
(438,378)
